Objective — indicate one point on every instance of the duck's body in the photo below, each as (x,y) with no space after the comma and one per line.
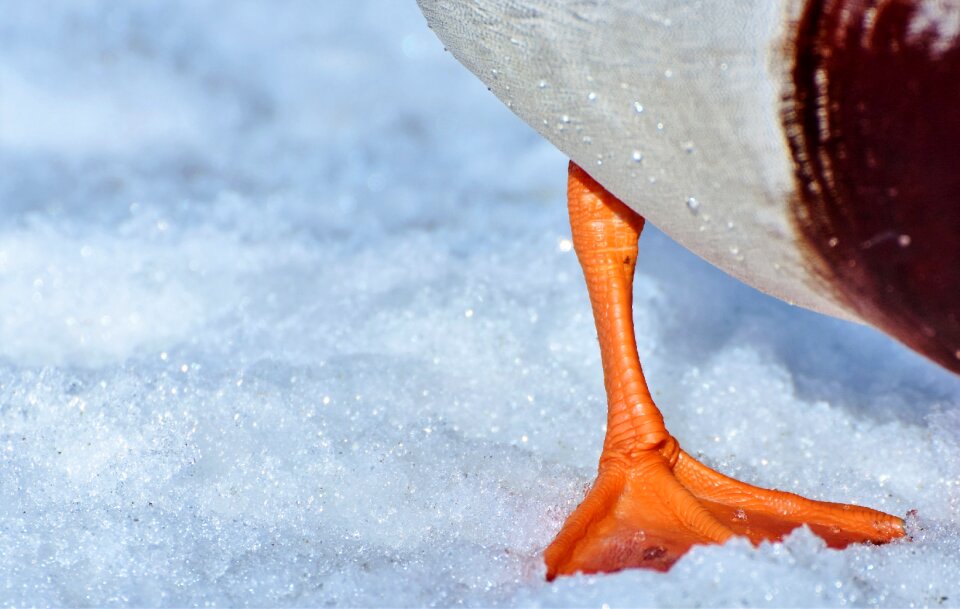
(810,148)
(691,113)
(673,106)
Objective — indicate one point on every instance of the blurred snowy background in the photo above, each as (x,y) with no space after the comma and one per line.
(288,316)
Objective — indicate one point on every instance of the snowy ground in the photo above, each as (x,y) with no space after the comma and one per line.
(287,317)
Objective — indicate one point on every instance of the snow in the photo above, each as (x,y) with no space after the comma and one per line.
(289,317)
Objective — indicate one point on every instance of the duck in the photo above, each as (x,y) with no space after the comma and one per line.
(809,148)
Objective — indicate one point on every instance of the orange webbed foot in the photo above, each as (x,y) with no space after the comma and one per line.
(651,501)
(649,509)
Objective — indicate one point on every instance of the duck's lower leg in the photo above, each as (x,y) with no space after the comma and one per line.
(651,501)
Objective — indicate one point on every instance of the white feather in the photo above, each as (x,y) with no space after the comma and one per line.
(673,106)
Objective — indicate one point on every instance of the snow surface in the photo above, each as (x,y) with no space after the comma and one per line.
(288,316)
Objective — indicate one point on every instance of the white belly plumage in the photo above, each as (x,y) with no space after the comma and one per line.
(673,106)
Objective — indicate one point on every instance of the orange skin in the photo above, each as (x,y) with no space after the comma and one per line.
(652,501)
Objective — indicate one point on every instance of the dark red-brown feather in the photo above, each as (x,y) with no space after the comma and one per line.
(873,120)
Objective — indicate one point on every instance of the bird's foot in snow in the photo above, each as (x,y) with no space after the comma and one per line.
(646,509)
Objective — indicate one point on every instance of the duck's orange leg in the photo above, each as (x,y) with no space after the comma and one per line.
(652,501)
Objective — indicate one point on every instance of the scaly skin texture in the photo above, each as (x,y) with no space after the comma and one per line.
(652,501)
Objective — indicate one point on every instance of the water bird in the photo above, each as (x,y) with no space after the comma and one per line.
(810,148)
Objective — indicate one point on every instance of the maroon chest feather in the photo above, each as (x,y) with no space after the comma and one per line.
(873,121)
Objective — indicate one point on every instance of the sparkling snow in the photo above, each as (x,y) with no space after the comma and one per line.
(289,317)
